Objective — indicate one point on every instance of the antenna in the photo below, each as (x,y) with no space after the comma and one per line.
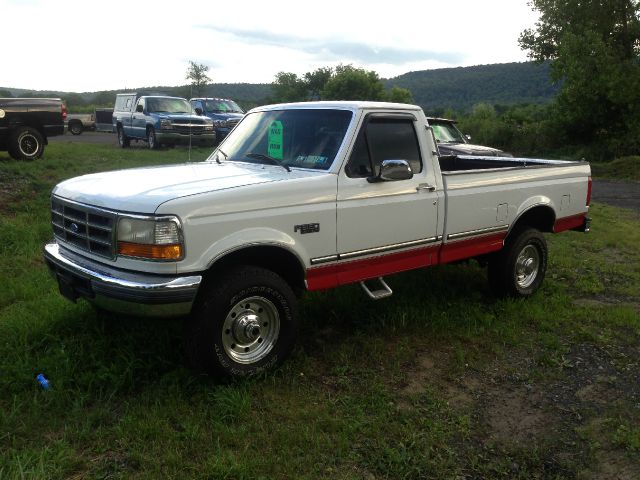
(190,125)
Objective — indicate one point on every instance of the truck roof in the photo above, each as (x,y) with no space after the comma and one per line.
(342,104)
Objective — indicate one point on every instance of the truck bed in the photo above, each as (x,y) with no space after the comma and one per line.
(457,163)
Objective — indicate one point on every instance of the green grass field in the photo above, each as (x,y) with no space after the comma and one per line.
(439,381)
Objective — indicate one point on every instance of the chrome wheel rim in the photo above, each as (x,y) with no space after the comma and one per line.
(151,139)
(250,330)
(120,137)
(527,266)
(28,145)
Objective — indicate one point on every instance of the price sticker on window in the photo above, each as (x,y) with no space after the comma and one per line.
(275,140)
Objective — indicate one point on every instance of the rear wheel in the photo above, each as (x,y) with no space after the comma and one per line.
(519,269)
(26,143)
(75,128)
(244,323)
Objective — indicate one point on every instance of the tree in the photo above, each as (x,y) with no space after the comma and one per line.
(287,87)
(345,82)
(594,47)
(5,94)
(399,95)
(351,83)
(317,80)
(197,73)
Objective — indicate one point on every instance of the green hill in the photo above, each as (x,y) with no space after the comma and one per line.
(435,90)
(460,88)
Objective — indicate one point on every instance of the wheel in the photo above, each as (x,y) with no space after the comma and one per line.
(26,143)
(518,270)
(123,140)
(151,139)
(244,323)
(75,128)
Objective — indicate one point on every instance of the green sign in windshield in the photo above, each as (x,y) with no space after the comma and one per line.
(275,140)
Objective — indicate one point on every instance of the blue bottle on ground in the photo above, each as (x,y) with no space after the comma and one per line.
(44,383)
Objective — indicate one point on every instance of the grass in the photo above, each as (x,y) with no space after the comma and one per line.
(625,168)
(439,381)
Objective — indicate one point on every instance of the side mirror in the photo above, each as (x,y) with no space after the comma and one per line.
(139,109)
(393,170)
(198,111)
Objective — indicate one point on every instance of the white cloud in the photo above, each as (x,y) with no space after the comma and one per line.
(88,45)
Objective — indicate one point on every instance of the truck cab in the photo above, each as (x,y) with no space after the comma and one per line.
(159,120)
(224,113)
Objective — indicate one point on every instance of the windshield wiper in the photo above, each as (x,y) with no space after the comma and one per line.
(218,158)
(267,159)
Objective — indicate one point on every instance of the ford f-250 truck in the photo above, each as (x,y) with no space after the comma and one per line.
(159,120)
(299,197)
(26,124)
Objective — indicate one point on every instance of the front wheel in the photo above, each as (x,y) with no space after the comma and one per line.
(152,140)
(519,269)
(244,323)
(123,140)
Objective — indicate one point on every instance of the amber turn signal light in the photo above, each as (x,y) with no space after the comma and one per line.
(157,252)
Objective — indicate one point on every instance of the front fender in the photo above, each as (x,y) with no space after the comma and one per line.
(251,237)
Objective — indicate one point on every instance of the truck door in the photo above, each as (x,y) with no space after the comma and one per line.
(138,120)
(386,226)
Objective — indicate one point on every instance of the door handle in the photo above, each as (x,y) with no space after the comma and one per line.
(426,186)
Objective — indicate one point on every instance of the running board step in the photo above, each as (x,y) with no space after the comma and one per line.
(383,292)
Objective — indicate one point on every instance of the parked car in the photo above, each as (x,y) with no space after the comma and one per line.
(224,113)
(27,123)
(301,197)
(79,122)
(159,120)
(452,141)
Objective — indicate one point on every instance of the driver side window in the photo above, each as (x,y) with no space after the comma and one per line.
(384,139)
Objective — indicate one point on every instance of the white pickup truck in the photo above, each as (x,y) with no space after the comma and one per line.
(299,197)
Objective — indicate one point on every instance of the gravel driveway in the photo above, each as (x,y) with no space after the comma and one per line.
(617,193)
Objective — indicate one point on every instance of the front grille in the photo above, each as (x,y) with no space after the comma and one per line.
(85,227)
(232,122)
(187,128)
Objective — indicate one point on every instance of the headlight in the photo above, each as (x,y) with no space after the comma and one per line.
(220,123)
(165,124)
(154,238)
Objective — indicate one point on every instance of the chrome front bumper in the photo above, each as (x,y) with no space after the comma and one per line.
(121,291)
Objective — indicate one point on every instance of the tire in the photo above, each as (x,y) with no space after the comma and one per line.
(519,268)
(123,140)
(26,143)
(152,140)
(75,128)
(244,323)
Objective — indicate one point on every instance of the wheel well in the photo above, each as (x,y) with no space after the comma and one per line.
(276,259)
(74,121)
(541,218)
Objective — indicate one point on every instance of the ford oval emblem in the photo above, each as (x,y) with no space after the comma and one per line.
(74,227)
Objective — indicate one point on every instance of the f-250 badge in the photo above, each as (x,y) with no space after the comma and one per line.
(307,228)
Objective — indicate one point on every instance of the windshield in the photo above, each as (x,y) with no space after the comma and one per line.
(447,133)
(222,106)
(168,105)
(290,138)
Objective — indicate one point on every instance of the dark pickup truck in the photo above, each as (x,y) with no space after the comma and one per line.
(26,123)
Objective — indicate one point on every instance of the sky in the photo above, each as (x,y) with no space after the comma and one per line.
(86,46)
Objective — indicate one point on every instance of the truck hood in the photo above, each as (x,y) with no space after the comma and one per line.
(143,190)
(468,149)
